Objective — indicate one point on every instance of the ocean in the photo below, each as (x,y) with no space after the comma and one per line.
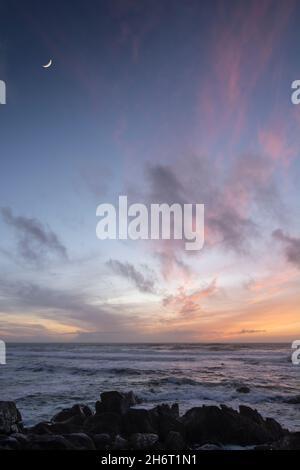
(44,378)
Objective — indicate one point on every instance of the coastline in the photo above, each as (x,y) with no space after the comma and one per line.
(118,422)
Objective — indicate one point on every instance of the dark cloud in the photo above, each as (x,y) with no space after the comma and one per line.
(35,241)
(128,271)
(291,246)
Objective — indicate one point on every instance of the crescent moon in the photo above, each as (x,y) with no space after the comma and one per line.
(48,65)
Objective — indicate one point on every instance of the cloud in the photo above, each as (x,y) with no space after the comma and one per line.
(128,271)
(63,307)
(35,241)
(190,304)
(250,332)
(291,246)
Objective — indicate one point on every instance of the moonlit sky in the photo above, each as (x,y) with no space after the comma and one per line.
(163,101)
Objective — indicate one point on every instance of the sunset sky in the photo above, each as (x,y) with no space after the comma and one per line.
(162,101)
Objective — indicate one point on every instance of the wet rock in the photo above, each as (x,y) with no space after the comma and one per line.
(214,425)
(243,390)
(75,415)
(10,418)
(288,442)
(115,402)
(166,409)
(143,441)
(55,428)
(175,441)
(102,441)
(9,443)
(80,441)
(107,423)
(293,400)
(49,442)
(120,443)
(139,421)
(209,447)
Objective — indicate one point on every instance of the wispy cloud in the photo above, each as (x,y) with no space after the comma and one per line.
(291,246)
(144,283)
(35,241)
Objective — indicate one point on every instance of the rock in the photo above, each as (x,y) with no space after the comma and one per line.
(166,409)
(143,441)
(107,423)
(55,428)
(10,418)
(102,441)
(9,443)
(80,441)
(138,421)
(175,441)
(214,425)
(243,390)
(288,442)
(75,415)
(49,442)
(120,443)
(209,447)
(166,419)
(115,402)
(293,400)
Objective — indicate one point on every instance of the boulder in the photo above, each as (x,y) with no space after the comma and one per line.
(139,421)
(10,418)
(120,443)
(107,423)
(77,414)
(9,443)
(80,441)
(243,390)
(166,419)
(102,441)
(175,441)
(143,441)
(289,442)
(115,402)
(214,425)
(49,442)
(293,400)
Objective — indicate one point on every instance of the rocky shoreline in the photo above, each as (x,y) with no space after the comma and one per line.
(117,424)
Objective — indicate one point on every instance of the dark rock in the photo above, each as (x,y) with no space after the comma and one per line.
(175,441)
(166,419)
(209,447)
(102,441)
(49,442)
(55,428)
(166,409)
(80,441)
(289,442)
(138,421)
(214,425)
(143,441)
(10,418)
(120,443)
(75,415)
(293,400)
(9,443)
(107,423)
(243,390)
(40,428)
(115,402)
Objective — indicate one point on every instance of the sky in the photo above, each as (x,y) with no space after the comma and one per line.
(165,102)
